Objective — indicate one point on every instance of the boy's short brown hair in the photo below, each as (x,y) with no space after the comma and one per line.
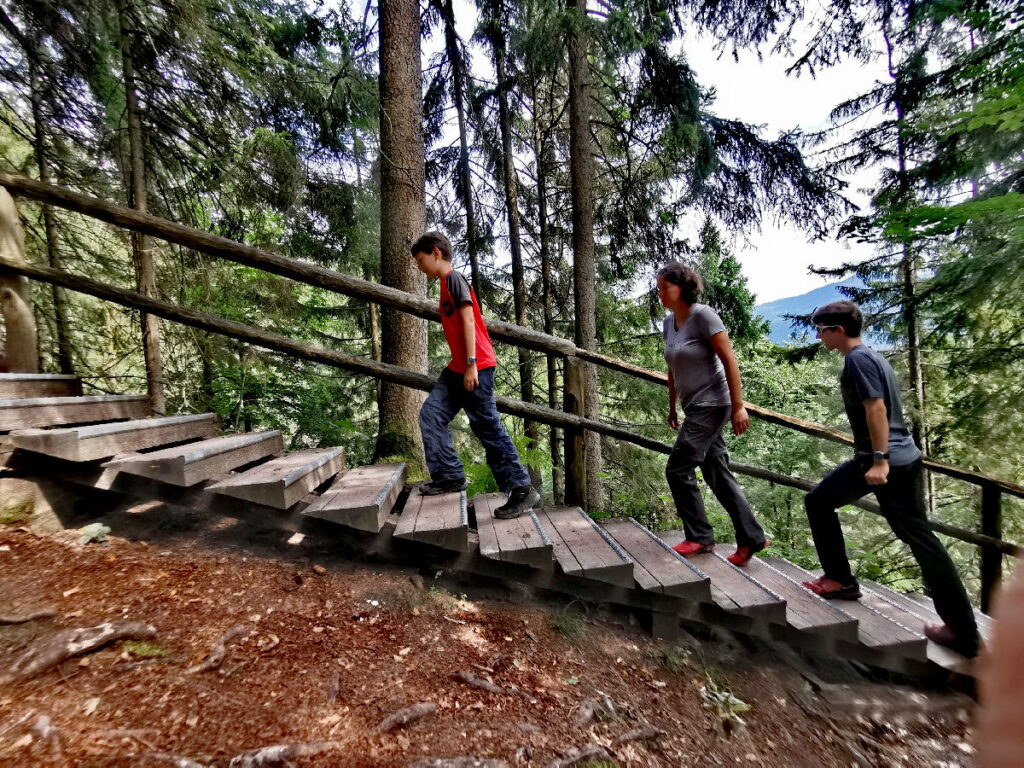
(845,314)
(687,278)
(431,240)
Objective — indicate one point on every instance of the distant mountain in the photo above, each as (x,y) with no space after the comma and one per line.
(775,312)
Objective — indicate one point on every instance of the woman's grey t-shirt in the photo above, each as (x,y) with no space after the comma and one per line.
(698,373)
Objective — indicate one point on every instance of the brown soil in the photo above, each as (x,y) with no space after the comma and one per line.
(335,647)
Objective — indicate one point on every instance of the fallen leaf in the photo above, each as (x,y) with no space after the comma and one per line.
(90,705)
(404,652)
(69,592)
(24,741)
(320,569)
(573,681)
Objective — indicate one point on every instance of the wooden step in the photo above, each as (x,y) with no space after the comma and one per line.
(582,548)
(441,520)
(186,465)
(732,589)
(805,611)
(875,631)
(656,567)
(18,385)
(283,481)
(937,654)
(34,412)
(101,441)
(985,623)
(521,540)
(361,498)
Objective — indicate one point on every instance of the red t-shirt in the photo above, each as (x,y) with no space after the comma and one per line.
(456,292)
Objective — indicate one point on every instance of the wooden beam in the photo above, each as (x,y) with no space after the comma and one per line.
(365,290)
(277,343)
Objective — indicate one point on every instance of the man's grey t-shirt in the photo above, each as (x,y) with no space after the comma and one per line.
(867,375)
(698,373)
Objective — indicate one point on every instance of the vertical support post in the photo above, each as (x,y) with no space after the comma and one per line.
(575,444)
(21,351)
(991,558)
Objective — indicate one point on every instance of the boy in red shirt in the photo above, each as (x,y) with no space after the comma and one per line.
(466,384)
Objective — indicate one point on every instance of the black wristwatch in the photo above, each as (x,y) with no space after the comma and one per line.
(879,456)
(470,361)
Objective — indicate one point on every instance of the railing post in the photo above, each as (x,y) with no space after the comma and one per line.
(991,558)
(21,353)
(575,445)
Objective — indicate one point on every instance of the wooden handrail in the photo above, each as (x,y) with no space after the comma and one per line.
(366,290)
(314,353)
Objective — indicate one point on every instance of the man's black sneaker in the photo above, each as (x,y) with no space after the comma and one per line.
(437,487)
(520,500)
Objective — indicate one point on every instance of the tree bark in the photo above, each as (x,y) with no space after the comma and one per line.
(21,346)
(454,54)
(581,168)
(142,257)
(540,152)
(403,219)
(35,56)
(519,293)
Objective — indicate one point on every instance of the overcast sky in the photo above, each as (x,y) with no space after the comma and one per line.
(775,260)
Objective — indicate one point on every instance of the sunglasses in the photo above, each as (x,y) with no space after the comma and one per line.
(823,328)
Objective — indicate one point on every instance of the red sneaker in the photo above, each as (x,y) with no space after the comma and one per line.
(742,555)
(830,589)
(691,548)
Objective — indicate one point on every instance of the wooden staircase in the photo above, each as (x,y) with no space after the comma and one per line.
(107,443)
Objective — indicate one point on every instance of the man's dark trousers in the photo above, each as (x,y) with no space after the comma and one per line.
(446,399)
(700,444)
(902,502)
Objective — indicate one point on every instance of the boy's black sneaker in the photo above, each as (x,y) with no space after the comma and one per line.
(520,500)
(437,487)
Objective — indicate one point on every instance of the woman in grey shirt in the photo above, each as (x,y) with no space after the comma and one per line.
(704,379)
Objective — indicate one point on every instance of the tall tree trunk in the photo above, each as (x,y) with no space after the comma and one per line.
(403,218)
(142,257)
(540,152)
(21,345)
(514,238)
(451,40)
(36,56)
(581,169)
(908,278)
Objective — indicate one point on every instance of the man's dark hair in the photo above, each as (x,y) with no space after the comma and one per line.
(431,240)
(686,278)
(842,313)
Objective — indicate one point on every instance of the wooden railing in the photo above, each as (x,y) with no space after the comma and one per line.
(993,548)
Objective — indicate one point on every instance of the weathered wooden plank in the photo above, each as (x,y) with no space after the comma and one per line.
(875,630)
(281,482)
(361,498)
(441,520)
(187,465)
(985,622)
(521,540)
(805,611)
(582,548)
(731,588)
(34,412)
(28,385)
(101,441)
(655,566)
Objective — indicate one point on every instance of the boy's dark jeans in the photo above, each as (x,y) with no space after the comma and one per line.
(445,400)
(700,444)
(902,503)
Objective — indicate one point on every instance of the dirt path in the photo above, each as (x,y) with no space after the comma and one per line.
(332,648)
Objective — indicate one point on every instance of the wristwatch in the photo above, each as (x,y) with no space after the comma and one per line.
(470,361)
(879,456)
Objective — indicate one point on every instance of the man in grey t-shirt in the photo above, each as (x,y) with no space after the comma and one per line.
(888,464)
